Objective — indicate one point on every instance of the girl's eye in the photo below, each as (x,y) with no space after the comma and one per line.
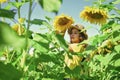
(76,33)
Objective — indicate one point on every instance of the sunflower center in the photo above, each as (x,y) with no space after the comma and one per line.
(63,21)
(95,15)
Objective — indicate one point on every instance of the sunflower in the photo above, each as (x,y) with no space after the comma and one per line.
(3,1)
(62,23)
(94,15)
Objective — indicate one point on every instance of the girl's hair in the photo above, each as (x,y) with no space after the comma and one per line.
(81,29)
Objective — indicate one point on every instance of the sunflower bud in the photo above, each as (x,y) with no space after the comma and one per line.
(18,28)
(21,20)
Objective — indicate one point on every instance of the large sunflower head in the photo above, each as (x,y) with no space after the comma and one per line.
(3,1)
(94,15)
(62,22)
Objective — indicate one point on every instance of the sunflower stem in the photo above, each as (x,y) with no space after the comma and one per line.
(28,25)
(0,5)
(18,10)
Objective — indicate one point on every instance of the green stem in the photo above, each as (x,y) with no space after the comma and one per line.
(23,60)
(12,56)
(0,5)
(18,12)
(28,25)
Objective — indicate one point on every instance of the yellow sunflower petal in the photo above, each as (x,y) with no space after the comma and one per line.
(94,15)
(62,22)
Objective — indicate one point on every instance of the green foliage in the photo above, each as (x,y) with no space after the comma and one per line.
(9,72)
(7,13)
(37,21)
(51,5)
(9,37)
(16,4)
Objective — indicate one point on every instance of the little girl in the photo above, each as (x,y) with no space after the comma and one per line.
(77,34)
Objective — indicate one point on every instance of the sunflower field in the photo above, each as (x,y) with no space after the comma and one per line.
(26,55)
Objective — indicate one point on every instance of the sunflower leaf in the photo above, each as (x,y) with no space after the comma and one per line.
(6,70)
(10,37)
(16,4)
(50,5)
(116,2)
(61,41)
(38,21)
(117,48)
(7,13)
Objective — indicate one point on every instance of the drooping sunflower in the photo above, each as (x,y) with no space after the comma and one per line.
(94,15)
(3,1)
(62,22)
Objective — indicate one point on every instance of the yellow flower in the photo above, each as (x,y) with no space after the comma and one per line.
(94,15)
(62,22)
(21,20)
(3,1)
(18,28)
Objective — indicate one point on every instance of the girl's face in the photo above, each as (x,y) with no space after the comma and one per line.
(75,36)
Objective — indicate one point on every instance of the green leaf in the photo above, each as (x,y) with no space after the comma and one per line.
(41,47)
(106,60)
(117,63)
(47,79)
(117,10)
(7,13)
(48,18)
(75,72)
(98,39)
(62,42)
(42,22)
(40,42)
(51,5)
(8,72)
(107,26)
(16,4)
(108,6)
(10,37)
(25,0)
(116,27)
(117,38)
(41,38)
(116,34)
(117,48)
(48,57)
(116,2)
(38,21)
